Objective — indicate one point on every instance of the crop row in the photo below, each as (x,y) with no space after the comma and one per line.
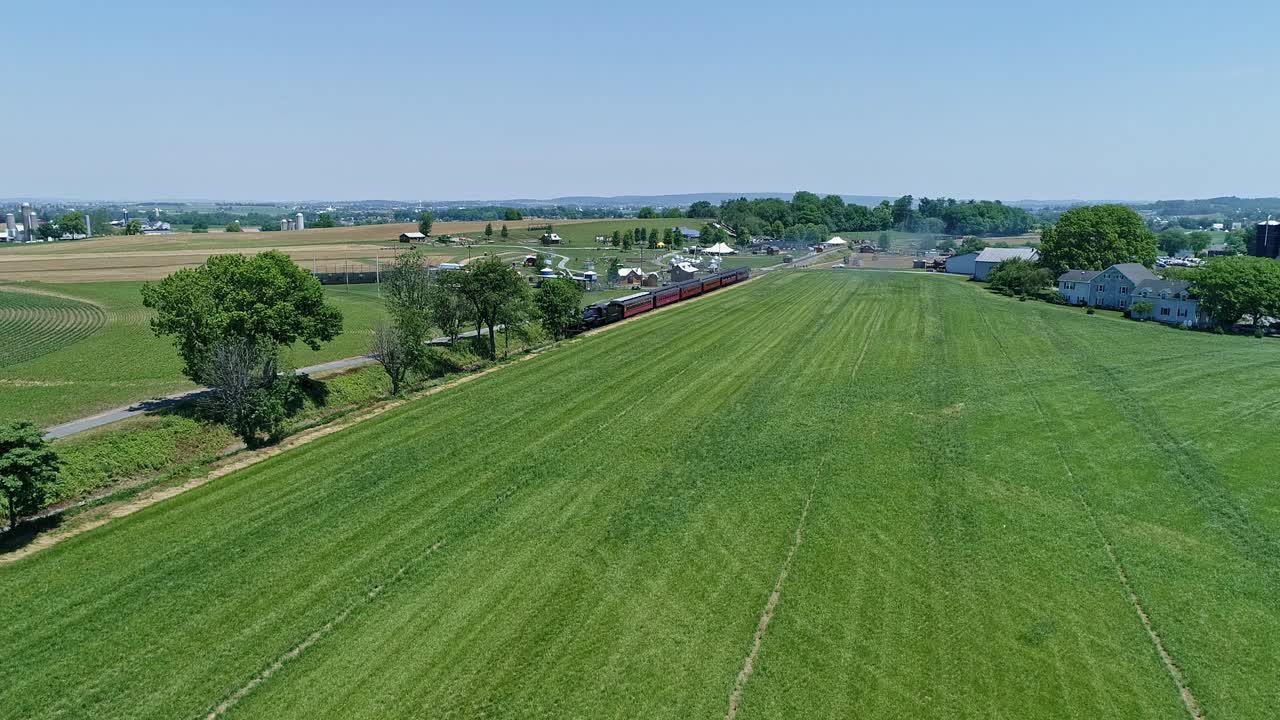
(33,325)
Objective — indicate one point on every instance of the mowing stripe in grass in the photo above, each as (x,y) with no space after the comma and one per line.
(314,637)
(748,665)
(1171,667)
(766,615)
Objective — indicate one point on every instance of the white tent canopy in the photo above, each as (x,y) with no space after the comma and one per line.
(720,249)
(836,241)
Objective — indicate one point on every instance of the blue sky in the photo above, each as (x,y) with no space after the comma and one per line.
(421,100)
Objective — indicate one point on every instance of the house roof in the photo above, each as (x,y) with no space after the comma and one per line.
(997,255)
(1078,275)
(973,255)
(414,235)
(1134,271)
(687,232)
(628,271)
(1159,285)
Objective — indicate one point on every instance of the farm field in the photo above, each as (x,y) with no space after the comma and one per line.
(89,347)
(121,258)
(819,494)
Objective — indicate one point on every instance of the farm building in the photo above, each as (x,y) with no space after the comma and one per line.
(1266,239)
(961,264)
(688,233)
(412,237)
(988,259)
(682,271)
(630,275)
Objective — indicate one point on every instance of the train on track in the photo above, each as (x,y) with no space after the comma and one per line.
(603,313)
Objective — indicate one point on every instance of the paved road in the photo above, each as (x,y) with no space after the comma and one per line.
(154,404)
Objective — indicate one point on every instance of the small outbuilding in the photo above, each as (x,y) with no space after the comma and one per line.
(412,237)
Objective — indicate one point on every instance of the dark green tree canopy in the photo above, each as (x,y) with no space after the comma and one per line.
(559,304)
(28,468)
(266,299)
(1095,238)
(490,286)
(1230,288)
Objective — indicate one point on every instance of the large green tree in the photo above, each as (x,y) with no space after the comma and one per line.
(267,300)
(406,292)
(559,304)
(72,222)
(1096,237)
(1230,288)
(490,285)
(324,220)
(425,221)
(28,469)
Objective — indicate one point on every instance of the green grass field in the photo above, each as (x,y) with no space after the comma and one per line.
(597,531)
(61,359)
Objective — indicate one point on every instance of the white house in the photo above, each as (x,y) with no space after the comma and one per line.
(988,259)
(961,264)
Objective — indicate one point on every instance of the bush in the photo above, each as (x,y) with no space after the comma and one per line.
(1089,311)
(1019,277)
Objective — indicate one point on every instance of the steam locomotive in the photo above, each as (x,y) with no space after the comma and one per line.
(603,313)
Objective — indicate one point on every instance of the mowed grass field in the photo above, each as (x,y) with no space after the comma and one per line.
(899,495)
(88,347)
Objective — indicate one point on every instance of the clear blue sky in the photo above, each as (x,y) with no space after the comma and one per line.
(1124,99)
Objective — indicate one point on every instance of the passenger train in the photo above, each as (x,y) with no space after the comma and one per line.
(603,313)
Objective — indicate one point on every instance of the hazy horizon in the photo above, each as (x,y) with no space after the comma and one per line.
(288,101)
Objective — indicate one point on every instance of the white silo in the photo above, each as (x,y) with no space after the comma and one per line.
(88,226)
(10,227)
(298,223)
(284,223)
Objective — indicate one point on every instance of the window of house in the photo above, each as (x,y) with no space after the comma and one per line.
(1182,312)
(1164,311)
(1124,290)
(1123,303)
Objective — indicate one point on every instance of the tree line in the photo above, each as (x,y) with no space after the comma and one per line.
(773,216)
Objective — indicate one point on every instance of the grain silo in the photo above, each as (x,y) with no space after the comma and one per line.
(10,227)
(298,223)
(1266,240)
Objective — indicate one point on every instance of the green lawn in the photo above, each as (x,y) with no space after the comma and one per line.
(595,532)
(104,355)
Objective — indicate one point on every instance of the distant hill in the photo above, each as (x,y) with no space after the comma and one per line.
(1229,206)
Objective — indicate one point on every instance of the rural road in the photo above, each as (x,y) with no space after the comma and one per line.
(152,405)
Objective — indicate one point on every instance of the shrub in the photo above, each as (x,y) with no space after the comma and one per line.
(1019,277)
(1089,311)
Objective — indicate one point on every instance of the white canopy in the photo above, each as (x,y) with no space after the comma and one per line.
(720,249)
(836,241)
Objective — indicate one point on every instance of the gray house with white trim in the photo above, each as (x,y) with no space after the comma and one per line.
(1076,286)
(1120,286)
(1171,303)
